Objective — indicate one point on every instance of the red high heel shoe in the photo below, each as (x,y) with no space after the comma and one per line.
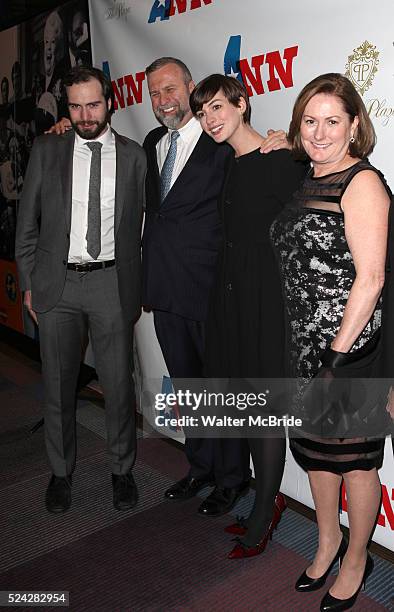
(240,527)
(242,551)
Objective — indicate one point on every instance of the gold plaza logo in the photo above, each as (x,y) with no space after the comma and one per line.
(362,66)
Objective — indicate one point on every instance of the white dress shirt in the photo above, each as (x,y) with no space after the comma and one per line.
(80,198)
(188,137)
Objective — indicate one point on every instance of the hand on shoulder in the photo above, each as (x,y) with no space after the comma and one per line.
(275,140)
(60,127)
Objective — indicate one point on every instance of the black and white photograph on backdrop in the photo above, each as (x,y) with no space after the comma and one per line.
(31,95)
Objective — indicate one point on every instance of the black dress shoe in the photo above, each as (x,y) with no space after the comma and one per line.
(58,494)
(125,491)
(222,499)
(186,488)
(329,602)
(306,584)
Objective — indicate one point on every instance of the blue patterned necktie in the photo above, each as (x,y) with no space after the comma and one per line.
(168,167)
(93,234)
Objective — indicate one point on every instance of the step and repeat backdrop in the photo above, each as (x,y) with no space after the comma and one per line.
(275,48)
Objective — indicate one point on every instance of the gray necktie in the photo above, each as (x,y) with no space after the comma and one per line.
(93,235)
(168,166)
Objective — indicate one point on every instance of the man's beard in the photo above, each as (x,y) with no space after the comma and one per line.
(172,122)
(90,134)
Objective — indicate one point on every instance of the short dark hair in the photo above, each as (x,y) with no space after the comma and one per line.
(164,61)
(335,84)
(232,88)
(83,74)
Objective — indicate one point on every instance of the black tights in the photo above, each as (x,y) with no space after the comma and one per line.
(268,455)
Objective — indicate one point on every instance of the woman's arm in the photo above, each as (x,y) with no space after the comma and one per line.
(365,205)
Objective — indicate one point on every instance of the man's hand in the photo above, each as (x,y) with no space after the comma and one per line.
(274,141)
(60,127)
(27,304)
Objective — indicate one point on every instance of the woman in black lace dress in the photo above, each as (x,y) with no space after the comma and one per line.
(245,327)
(331,244)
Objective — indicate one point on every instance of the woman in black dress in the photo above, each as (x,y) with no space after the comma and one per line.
(331,243)
(245,327)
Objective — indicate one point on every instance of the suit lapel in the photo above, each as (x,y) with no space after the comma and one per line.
(66,174)
(122,163)
(205,145)
(153,165)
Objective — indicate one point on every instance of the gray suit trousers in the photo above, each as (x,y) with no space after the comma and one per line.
(89,304)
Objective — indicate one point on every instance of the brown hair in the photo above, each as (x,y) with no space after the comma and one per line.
(337,85)
(84,74)
(232,88)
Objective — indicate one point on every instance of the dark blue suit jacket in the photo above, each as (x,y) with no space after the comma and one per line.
(181,235)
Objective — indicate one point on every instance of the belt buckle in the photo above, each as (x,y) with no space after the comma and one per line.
(80,267)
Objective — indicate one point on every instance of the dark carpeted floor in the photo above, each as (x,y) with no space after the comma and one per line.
(160,556)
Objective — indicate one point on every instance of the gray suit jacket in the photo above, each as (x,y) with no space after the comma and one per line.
(44,220)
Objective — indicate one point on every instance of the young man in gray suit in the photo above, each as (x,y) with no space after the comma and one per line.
(78,256)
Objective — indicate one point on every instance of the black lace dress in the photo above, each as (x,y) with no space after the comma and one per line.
(318,272)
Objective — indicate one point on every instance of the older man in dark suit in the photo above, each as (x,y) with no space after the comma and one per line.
(180,243)
(78,256)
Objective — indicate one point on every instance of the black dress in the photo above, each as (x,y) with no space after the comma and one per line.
(245,329)
(318,273)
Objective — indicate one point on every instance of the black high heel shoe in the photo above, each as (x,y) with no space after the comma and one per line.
(329,602)
(305,583)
